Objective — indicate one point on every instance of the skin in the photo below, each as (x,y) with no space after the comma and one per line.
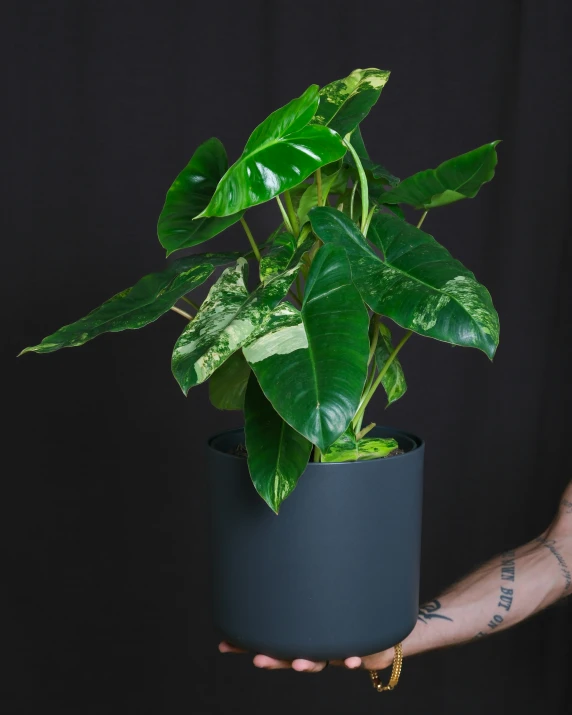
(503,592)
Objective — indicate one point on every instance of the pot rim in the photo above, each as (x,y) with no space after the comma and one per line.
(419,444)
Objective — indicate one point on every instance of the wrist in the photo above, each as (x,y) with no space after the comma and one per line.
(378,661)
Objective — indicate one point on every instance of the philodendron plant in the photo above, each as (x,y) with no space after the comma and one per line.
(304,352)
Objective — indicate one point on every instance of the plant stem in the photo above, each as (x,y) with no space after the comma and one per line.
(304,233)
(354,188)
(284,216)
(362,433)
(362,181)
(380,377)
(368,220)
(181,312)
(291,213)
(190,302)
(250,238)
(422,219)
(296,298)
(314,250)
(319,187)
(374,339)
(317,454)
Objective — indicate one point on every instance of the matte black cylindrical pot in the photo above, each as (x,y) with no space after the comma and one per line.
(336,572)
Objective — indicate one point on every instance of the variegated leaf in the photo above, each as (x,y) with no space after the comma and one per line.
(348,449)
(227,385)
(189,195)
(140,305)
(280,250)
(453,180)
(277,454)
(227,318)
(280,153)
(394,380)
(312,364)
(346,102)
(419,285)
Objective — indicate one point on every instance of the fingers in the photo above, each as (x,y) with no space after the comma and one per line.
(225,647)
(308,666)
(265,661)
(353,662)
(300,664)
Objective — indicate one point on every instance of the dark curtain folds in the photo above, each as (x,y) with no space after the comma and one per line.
(104,102)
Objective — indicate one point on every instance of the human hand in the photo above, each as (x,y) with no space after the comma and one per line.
(377,661)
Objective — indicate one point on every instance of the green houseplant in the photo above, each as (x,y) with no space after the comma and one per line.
(343,260)
(302,354)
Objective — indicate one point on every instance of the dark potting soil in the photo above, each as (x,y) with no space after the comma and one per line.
(239,450)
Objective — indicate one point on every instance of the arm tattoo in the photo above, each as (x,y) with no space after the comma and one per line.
(429,611)
(506,594)
(550,545)
(567,506)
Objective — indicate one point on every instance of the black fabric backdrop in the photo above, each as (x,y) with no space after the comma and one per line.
(104,102)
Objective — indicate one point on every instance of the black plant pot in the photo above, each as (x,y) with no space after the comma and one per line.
(336,572)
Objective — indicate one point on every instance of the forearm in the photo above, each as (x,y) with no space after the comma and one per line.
(504,591)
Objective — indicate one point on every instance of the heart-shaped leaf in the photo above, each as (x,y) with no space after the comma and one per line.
(140,305)
(346,102)
(227,385)
(419,285)
(394,380)
(312,364)
(453,180)
(227,318)
(348,449)
(281,152)
(277,454)
(189,195)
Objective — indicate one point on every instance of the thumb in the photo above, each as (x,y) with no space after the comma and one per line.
(353,662)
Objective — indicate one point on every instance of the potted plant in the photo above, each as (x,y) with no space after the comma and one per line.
(336,572)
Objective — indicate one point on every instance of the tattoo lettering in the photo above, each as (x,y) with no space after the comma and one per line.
(508,565)
(429,611)
(550,545)
(506,595)
(567,506)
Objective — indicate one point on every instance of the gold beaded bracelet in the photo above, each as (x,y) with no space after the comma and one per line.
(395,672)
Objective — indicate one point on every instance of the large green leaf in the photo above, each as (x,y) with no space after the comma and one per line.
(394,380)
(419,285)
(312,364)
(281,152)
(135,307)
(277,454)
(346,102)
(349,449)
(189,195)
(227,385)
(453,180)
(227,318)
